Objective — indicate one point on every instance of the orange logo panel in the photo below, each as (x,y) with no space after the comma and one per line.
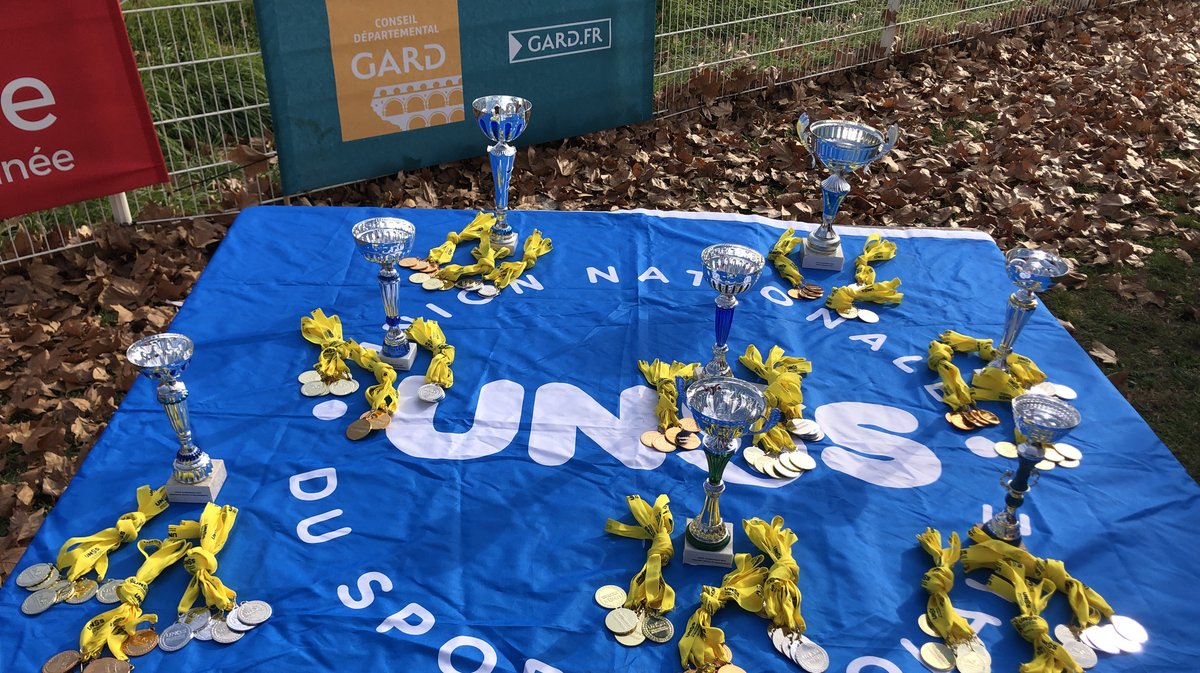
(397,66)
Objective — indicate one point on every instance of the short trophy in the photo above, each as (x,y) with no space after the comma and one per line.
(163,358)
(1041,420)
(502,119)
(1032,271)
(725,408)
(842,147)
(385,241)
(731,270)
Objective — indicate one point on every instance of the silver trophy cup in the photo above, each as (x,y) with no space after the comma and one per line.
(385,241)
(1041,419)
(502,119)
(163,358)
(725,408)
(842,147)
(731,270)
(1032,271)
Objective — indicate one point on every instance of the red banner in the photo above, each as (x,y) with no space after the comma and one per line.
(74,124)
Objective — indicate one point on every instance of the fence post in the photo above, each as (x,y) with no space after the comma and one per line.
(888,38)
(119,204)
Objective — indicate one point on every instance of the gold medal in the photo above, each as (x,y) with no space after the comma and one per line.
(672,434)
(955,418)
(359,429)
(688,442)
(647,438)
(937,656)
(661,444)
(378,419)
(689,424)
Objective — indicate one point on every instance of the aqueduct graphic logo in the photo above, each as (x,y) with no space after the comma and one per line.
(418,105)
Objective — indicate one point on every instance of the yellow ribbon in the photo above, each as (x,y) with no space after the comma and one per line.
(649,589)
(79,555)
(884,292)
(472,232)
(992,383)
(781,594)
(783,392)
(111,628)
(1087,606)
(212,530)
(326,332)
(962,343)
(535,246)
(938,581)
(996,385)
(874,250)
(662,376)
(1031,598)
(779,258)
(701,641)
(428,334)
(485,262)
(955,392)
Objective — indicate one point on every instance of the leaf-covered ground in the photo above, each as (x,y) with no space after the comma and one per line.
(1082,134)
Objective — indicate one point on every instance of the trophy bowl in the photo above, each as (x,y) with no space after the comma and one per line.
(1034,270)
(501,118)
(161,357)
(384,240)
(846,146)
(1043,419)
(731,268)
(725,408)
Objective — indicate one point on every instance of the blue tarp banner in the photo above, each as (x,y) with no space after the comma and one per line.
(470,536)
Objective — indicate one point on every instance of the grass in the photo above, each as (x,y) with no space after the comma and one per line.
(1158,348)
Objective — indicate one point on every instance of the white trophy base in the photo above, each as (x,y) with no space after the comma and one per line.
(829,261)
(721,558)
(204,491)
(405,362)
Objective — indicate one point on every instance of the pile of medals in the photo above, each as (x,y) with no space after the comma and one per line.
(673,432)
(79,556)
(435,273)
(788,270)
(1058,454)
(326,332)
(990,384)
(1030,583)
(774,453)
(426,276)
(865,287)
(637,616)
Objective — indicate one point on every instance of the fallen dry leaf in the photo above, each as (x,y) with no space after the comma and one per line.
(1102,353)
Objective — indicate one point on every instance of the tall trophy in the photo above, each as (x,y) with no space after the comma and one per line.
(385,241)
(1032,271)
(731,270)
(502,119)
(725,408)
(1041,420)
(842,147)
(163,358)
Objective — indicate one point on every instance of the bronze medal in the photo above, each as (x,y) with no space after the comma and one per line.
(409,262)
(987,417)
(359,429)
(108,665)
(796,293)
(379,419)
(955,418)
(140,643)
(63,662)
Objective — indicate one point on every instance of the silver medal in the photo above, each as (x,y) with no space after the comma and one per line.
(1081,653)
(810,656)
(39,601)
(310,376)
(1103,638)
(867,315)
(35,574)
(254,613)
(204,632)
(431,393)
(488,291)
(1129,629)
(343,387)
(221,633)
(107,593)
(174,637)
(314,389)
(234,622)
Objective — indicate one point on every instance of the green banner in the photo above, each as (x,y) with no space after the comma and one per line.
(364,88)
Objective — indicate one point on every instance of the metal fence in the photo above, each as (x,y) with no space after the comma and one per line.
(202,72)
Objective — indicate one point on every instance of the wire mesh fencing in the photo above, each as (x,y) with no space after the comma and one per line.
(202,72)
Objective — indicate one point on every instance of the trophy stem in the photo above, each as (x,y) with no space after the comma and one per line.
(1004,525)
(1017,313)
(191,464)
(502,156)
(718,366)
(395,342)
(707,531)
(833,191)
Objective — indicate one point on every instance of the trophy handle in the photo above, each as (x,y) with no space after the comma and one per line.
(770,419)
(893,135)
(802,131)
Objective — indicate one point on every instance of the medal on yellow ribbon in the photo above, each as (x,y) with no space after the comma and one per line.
(326,332)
